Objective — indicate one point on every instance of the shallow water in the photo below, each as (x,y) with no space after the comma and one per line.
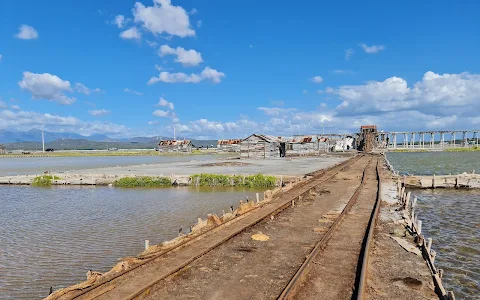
(439,163)
(450,217)
(35,165)
(53,236)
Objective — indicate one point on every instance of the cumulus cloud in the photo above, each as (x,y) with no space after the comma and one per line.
(15,107)
(131,34)
(127,90)
(3,104)
(193,11)
(26,32)
(207,74)
(372,49)
(161,113)
(120,21)
(165,103)
(349,53)
(46,86)
(99,112)
(27,120)
(199,24)
(187,58)
(151,43)
(317,79)
(163,17)
(435,93)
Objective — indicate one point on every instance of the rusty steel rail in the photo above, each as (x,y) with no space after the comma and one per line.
(292,287)
(361,281)
(294,193)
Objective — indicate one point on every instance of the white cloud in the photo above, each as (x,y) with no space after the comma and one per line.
(372,49)
(434,94)
(161,113)
(120,21)
(185,57)
(131,34)
(349,53)
(26,32)
(275,111)
(207,74)
(193,11)
(153,122)
(151,43)
(15,107)
(305,92)
(165,103)
(199,23)
(46,86)
(323,105)
(1,57)
(127,90)
(163,17)
(81,88)
(3,104)
(99,112)
(317,79)
(27,120)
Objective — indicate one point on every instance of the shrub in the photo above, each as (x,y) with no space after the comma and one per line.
(44,180)
(251,181)
(143,181)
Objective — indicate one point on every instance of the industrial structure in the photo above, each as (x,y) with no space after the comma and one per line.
(229,145)
(435,140)
(2,149)
(184,146)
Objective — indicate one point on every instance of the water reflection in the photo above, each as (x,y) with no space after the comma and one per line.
(52,236)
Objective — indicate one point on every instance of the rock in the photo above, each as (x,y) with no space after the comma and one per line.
(260,237)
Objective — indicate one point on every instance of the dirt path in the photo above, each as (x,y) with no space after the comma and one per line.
(332,275)
(394,273)
(243,268)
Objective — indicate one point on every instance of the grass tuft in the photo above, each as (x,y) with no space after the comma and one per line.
(251,181)
(143,181)
(44,180)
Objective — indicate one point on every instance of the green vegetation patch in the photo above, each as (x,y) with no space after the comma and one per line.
(143,181)
(44,180)
(469,149)
(251,181)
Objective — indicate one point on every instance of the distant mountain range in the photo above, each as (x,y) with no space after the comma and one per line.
(35,135)
(32,140)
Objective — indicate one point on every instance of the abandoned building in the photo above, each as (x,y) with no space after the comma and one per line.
(303,144)
(175,146)
(228,145)
(262,146)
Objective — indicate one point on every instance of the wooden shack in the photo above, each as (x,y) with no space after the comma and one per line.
(184,146)
(228,145)
(303,145)
(2,149)
(262,146)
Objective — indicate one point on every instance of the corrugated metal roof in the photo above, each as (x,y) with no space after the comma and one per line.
(229,142)
(174,143)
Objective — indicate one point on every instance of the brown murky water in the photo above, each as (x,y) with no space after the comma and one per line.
(53,236)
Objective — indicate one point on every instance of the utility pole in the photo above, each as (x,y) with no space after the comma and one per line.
(43,141)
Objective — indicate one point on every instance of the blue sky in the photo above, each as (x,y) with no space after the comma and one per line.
(221,69)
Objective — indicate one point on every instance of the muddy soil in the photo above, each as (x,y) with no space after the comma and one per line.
(243,268)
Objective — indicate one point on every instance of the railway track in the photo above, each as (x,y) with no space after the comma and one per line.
(135,282)
(325,282)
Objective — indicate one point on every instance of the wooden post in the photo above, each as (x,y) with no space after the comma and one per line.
(414,203)
(412,219)
(429,244)
(433,254)
(258,197)
(450,295)
(433,181)
(147,244)
(419,227)
(440,273)
(407,200)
